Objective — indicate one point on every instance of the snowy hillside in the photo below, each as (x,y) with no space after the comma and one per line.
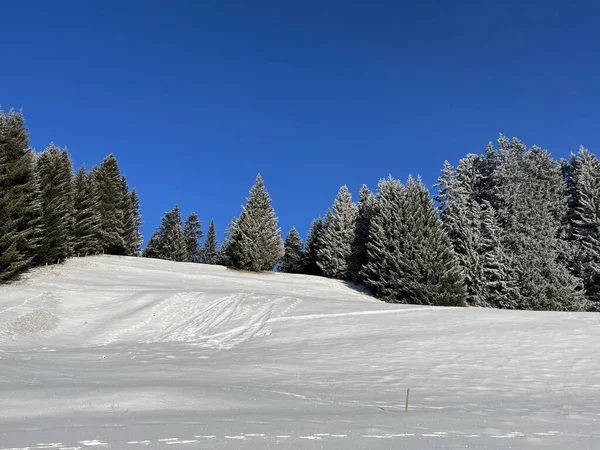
(126,353)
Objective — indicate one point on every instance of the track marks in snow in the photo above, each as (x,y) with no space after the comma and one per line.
(350,314)
(187,317)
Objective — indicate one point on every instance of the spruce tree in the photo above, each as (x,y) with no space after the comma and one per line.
(255,240)
(410,259)
(152,249)
(532,204)
(192,230)
(584,207)
(55,174)
(132,235)
(172,243)
(86,218)
(293,257)
(210,253)
(19,203)
(336,240)
(311,249)
(109,185)
(358,256)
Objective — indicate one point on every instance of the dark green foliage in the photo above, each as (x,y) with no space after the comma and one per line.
(86,217)
(293,257)
(335,246)
(132,235)
(358,257)
(111,195)
(152,249)
(55,174)
(311,250)
(410,259)
(254,239)
(210,254)
(19,204)
(192,230)
(171,243)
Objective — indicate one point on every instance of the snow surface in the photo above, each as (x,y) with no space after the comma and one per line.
(126,353)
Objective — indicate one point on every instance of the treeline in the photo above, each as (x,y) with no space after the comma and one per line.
(509,228)
(48,213)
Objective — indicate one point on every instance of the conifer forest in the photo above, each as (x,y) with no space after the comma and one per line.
(509,227)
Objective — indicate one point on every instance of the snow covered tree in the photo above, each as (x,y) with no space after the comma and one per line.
(152,249)
(109,185)
(254,239)
(358,256)
(132,236)
(192,230)
(55,174)
(335,247)
(293,257)
(172,243)
(584,215)
(86,218)
(210,254)
(410,258)
(311,249)
(19,203)
(531,196)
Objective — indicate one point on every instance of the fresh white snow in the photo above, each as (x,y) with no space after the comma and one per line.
(116,352)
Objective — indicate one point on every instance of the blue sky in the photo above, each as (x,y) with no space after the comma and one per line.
(196,97)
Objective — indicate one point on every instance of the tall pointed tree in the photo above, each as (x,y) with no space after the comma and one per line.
(338,235)
(358,257)
(210,253)
(55,174)
(255,240)
(192,230)
(109,185)
(19,204)
(132,235)
(86,218)
(312,247)
(172,243)
(293,257)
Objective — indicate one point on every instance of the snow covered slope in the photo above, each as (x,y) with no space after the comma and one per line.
(133,353)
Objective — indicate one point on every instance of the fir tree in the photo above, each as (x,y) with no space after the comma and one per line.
(338,235)
(358,257)
(152,249)
(293,257)
(532,203)
(109,185)
(171,240)
(410,259)
(19,204)
(192,230)
(86,218)
(255,240)
(210,253)
(132,235)
(311,250)
(55,174)
(584,207)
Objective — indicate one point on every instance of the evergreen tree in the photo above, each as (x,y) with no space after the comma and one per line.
(531,196)
(338,235)
(132,235)
(86,218)
(109,185)
(358,257)
(210,253)
(19,204)
(55,174)
(171,240)
(293,257)
(192,230)
(311,250)
(584,215)
(152,249)
(255,241)
(410,259)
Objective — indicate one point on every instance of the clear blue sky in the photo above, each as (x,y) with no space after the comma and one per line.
(196,97)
